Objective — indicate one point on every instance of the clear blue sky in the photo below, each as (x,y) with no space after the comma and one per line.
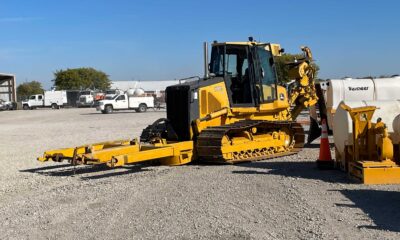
(154,40)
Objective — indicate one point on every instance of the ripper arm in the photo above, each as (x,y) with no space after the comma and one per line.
(304,94)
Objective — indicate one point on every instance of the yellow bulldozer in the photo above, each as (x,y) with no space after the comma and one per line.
(238,112)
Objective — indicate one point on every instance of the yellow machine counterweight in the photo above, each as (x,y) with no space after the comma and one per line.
(237,112)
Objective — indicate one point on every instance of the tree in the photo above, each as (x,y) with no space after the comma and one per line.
(81,78)
(282,68)
(26,89)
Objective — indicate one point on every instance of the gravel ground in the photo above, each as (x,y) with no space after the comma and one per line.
(283,198)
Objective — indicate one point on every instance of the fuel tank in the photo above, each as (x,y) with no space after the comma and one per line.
(367,89)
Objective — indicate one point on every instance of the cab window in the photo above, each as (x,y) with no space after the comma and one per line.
(40,97)
(245,67)
(217,61)
(32,97)
(268,74)
(122,97)
(231,62)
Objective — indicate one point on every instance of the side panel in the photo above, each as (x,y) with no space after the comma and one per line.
(58,97)
(183,106)
(213,98)
(149,101)
(134,102)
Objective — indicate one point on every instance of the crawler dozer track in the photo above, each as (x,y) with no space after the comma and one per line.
(250,140)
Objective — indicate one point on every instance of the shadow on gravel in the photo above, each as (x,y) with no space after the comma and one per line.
(66,170)
(307,170)
(381,206)
(128,170)
(34,170)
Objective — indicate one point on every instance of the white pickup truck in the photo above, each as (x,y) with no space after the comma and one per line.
(53,99)
(124,102)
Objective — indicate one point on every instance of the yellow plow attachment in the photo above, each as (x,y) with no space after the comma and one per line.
(122,152)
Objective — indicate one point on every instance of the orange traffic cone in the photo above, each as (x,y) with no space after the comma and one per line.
(325,159)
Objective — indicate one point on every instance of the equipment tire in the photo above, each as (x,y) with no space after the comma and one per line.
(54,106)
(108,109)
(142,107)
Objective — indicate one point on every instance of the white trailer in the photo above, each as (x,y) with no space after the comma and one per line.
(53,99)
(125,102)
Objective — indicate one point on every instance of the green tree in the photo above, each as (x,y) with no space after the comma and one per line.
(81,78)
(283,69)
(26,89)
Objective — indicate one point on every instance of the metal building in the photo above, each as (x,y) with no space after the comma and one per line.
(146,85)
(8,90)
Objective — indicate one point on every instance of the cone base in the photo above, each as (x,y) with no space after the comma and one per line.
(325,165)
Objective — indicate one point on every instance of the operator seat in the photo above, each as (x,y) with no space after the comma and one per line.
(246,89)
(237,89)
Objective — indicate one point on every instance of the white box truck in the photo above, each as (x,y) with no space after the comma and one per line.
(53,99)
(132,99)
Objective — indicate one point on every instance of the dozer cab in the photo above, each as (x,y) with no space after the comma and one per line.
(237,112)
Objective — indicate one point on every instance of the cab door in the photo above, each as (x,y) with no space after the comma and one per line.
(269,95)
(264,76)
(232,62)
(36,100)
(121,102)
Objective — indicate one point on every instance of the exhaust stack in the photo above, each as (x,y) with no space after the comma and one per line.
(206,73)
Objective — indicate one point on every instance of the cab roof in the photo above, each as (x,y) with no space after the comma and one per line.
(239,43)
(276,48)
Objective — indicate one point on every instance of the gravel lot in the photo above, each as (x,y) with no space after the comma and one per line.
(284,198)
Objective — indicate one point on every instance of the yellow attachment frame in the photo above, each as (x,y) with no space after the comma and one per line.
(304,94)
(370,159)
(171,154)
(119,153)
(70,154)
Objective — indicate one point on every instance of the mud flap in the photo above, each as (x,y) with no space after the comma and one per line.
(314,132)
